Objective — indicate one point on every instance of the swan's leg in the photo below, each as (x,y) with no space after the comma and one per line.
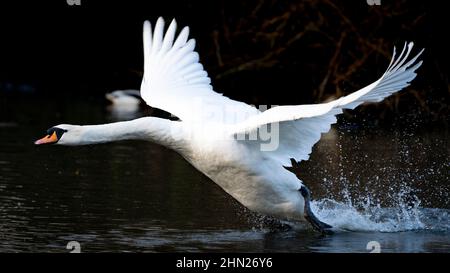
(309,215)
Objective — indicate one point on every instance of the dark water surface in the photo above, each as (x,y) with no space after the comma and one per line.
(372,185)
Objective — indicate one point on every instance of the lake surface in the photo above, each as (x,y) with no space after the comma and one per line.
(370,184)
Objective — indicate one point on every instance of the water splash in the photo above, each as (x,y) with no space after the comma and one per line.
(370,216)
(380,206)
(379,193)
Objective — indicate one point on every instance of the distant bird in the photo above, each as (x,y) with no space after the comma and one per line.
(226,139)
(124,98)
(125,104)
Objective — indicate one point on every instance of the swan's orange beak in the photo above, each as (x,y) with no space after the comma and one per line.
(48,139)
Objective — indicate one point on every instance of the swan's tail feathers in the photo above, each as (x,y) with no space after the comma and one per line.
(398,75)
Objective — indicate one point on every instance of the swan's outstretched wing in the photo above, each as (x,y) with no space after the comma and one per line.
(175,81)
(300,127)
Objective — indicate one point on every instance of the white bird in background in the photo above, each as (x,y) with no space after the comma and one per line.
(125,104)
(224,138)
(124,98)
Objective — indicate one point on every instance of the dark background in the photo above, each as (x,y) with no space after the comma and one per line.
(260,52)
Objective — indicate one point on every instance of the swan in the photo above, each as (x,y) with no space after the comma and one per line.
(124,98)
(241,148)
(125,104)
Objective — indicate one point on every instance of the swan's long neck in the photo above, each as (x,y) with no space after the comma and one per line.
(161,131)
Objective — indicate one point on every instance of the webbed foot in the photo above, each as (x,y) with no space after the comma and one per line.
(309,215)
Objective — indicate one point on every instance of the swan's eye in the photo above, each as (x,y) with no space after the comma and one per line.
(59,132)
(53,135)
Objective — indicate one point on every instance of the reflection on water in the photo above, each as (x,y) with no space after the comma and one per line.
(119,113)
(390,187)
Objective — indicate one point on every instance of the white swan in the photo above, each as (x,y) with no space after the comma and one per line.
(124,98)
(125,104)
(226,139)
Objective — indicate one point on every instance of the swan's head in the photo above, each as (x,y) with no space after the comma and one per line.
(63,134)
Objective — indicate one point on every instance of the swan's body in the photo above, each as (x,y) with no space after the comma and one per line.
(210,133)
(257,181)
(124,98)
